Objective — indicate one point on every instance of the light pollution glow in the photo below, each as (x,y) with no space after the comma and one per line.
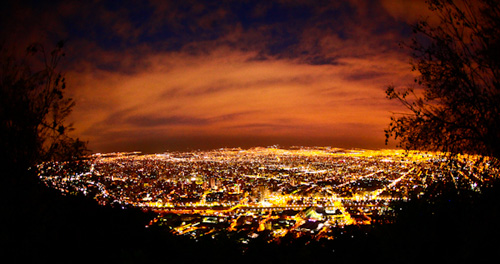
(175,76)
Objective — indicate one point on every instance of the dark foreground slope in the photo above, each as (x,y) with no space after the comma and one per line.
(39,225)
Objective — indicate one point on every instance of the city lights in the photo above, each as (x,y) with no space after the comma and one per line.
(267,192)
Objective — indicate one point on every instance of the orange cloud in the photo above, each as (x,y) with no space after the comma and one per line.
(176,74)
(409,11)
(227,93)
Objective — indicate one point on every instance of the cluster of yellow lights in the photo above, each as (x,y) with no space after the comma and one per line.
(269,205)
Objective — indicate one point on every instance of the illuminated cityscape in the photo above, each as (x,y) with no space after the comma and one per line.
(264,192)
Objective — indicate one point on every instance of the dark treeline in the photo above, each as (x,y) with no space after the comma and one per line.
(46,227)
(453,105)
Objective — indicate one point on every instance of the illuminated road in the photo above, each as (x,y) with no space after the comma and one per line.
(376,193)
(206,191)
(359,178)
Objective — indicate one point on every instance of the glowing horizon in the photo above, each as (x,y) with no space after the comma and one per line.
(175,76)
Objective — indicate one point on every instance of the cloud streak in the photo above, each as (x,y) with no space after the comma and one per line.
(188,74)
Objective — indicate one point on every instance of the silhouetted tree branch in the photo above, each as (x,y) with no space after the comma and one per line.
(33,109)
(454,104)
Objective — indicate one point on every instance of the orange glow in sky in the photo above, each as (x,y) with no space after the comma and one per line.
(179,76)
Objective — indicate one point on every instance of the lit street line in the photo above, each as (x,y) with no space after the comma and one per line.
(359,178)
(280,191)
(396,181)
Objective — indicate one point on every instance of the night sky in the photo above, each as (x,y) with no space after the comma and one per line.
(159,75)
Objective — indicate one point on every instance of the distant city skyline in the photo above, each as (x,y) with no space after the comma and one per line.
(184,75)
